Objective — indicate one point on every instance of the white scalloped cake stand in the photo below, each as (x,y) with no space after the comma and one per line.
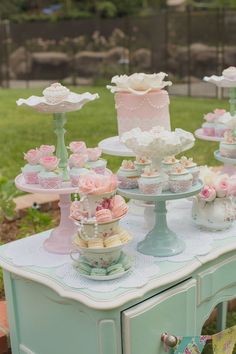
(227,167)
(60,239)
(113,146)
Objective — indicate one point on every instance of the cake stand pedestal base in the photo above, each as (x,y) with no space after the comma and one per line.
(60,239)
(161,241)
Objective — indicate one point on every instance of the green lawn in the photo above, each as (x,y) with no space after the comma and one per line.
(22,128)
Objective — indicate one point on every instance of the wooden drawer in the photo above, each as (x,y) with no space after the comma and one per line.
(172,311)
(216,278)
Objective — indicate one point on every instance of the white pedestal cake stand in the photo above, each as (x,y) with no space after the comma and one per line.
(60,239)
(228,166)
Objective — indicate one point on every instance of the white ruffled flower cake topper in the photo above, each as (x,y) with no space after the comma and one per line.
(57,99)
(158,142)
(228,78)
(138,83)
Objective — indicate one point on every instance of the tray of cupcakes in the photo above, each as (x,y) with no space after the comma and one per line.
(100,240)
(42,170)
(173,175)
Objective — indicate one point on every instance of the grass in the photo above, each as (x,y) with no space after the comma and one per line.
(22,128)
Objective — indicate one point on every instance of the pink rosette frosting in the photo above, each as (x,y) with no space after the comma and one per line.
(96,184)
(33,156)
(208,193)
(94,153)
(77,160)
(219,112)
(77,147)
(47,150)
(50,163)
(209,117)
(213,116)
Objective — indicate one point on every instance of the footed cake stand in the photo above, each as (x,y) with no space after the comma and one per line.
(226,160)
(160,241)
(60,239)
(228,166)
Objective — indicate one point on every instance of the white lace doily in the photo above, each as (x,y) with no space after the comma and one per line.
(144,269)
(29,251)
(198,242)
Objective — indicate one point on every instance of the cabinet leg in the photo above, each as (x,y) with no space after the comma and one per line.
(221,315)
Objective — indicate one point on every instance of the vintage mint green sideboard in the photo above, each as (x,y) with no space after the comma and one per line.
(48,317)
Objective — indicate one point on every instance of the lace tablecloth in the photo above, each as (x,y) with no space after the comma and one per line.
(30,252)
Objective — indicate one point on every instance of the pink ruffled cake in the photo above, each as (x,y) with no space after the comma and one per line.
(140,101)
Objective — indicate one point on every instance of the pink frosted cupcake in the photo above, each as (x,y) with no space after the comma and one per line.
(150,182)
(191,167)
(94,162)
(77,147)
(128,175)
(32,169)
(50,178)
(180,180)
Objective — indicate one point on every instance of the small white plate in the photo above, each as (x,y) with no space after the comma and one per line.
(105,277)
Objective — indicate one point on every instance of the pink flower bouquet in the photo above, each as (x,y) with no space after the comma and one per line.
(95,184)
(50,163)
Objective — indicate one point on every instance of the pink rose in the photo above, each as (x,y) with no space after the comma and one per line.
(94,154)
(33,156)
(219,112)
(47,150)
(222,187)
(77,160)
(93,183)
(77,147)
(209,117)
(208,193)
(50,163)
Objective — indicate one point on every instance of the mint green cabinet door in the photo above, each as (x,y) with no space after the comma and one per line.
(173,311)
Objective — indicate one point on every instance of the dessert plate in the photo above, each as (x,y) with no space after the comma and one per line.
(104,277)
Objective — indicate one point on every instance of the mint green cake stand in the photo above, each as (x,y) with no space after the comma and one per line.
(160,241)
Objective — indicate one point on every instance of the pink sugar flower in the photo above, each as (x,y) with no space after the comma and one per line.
(208,193)
(77,160)
(210,117)
(94,154)
(47,150)
(50,163)
(77,147)
(33,156)
(96,184)
(222,187)
(219,112)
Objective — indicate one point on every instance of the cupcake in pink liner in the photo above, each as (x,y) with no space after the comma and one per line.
(47,150)
(50,178)
(77,147)
(77,160)
(209,126)
(180,180)
(191,167)
(94,162)
(103,215)
(141,162)
(76,164)
(150,182)
(119,207)
(128,175)
(32,168)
